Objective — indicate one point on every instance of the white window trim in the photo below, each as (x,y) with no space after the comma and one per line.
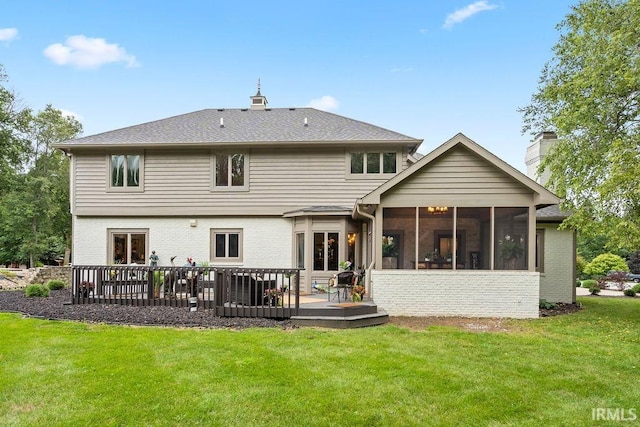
(237,188)
(227,231)
(125,188)
(376,175)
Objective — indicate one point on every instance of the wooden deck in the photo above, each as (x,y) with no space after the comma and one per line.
(226,292)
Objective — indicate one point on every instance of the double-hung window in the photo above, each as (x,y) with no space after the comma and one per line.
(226,245)
(230,171)
(372,164)
(126,172)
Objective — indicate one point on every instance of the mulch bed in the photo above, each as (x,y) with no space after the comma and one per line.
(562,308)
(56,307)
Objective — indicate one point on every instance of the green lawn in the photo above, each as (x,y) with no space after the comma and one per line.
(549,371)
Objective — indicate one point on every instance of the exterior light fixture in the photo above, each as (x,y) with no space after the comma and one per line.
(437,210)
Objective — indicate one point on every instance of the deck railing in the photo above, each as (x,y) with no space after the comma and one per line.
(231,292)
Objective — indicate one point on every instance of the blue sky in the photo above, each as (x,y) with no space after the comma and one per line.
(428,69)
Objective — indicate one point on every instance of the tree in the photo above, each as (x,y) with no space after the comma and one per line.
(13,146)
(589,94)
(35,223)
(48,179)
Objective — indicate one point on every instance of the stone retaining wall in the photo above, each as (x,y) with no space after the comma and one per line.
(50,273)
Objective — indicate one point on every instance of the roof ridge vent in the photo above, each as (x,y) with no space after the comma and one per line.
(220,109)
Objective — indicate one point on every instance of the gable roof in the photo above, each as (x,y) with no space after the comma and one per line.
(543,197)
(244,126)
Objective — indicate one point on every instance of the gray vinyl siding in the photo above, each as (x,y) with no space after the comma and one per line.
(459,178)
(179,182)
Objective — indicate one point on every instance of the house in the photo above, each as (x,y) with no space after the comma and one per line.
(298,187)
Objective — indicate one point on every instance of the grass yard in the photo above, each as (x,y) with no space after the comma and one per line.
(550,371)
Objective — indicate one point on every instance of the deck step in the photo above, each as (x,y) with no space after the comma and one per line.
(338,310)
(379,317)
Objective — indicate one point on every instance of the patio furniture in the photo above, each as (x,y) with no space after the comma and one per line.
(341,282)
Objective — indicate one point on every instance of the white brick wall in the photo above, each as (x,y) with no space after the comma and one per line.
(266,241)
(457,293)
(557,283)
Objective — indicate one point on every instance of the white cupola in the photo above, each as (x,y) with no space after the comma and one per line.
(258,102)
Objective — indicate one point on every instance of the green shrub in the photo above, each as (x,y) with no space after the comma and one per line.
(594,290)
(636,288)
(546,305)
(36,290)
(578,283)
(604,263)
(630,292)
(39,264)
(581,264)
(589,283)
(55,284)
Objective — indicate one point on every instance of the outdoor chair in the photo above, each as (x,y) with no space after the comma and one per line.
(341,282)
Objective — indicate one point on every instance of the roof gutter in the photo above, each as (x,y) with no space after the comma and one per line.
(367,280)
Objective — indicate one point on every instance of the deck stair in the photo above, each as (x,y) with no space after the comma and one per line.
(345,315)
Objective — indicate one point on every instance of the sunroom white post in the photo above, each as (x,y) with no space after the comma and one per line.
(416,256)
(492,238)
(454,258)
(377,237)
(532,239)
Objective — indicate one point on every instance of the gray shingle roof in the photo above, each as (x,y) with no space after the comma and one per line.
(551,213)
(246,125)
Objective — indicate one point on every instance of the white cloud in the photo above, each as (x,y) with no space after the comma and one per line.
(326,103)
(8,34)
(87,52)
(67,113)
(467,12)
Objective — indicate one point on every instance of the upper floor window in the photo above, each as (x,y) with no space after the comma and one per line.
(230,171)
(125,171)
(373,163)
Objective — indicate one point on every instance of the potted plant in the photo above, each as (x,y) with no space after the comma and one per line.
(273,297)
(357,293)
(157,283)
(85,289)
(390,252)
(345,265)
(511,250)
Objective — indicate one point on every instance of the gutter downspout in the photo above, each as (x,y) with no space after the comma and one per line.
(367,279)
